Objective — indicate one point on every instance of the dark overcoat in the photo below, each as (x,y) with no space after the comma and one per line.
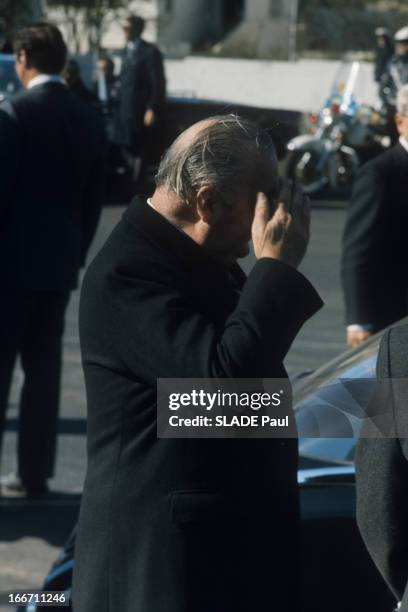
(375,254)
(52,162)
(183,525)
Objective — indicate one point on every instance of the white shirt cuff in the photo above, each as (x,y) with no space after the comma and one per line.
(360,327)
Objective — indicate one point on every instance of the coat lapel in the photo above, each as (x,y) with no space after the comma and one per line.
(215,289)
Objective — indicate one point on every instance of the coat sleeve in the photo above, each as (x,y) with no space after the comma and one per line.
(9,159)
(361,249)
(157,79)
(94,190)
(161,334)
(382,494)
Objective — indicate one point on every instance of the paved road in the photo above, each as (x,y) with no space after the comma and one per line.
(30,535)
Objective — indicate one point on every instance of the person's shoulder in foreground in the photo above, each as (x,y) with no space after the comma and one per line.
(382,467)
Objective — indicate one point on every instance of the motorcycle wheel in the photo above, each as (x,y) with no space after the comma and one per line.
(302,167)
(342,168)
(334,182)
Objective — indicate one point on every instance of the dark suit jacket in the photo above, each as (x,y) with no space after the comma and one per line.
(182,525)
(51,186)
(375,253)
(142,86)
(382,471)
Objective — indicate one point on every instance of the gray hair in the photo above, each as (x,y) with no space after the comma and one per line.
(402,101)
(230,153)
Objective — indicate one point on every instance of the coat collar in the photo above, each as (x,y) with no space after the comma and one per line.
(400,156)
(403,143)
(169,238)
(41,79)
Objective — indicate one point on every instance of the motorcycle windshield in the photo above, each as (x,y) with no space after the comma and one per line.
(345,88)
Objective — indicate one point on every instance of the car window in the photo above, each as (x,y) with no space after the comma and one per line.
(329,408)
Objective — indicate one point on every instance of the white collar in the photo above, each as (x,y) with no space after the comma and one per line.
(404,143)
(45,78)
(150,203)
(133,44)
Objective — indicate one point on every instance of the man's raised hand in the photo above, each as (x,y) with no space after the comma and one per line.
(285,234)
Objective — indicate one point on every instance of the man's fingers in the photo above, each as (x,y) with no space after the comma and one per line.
(262,212)
(260,221)
(281,215)
(285,194)
(262,207)
(291,196)
(283,234)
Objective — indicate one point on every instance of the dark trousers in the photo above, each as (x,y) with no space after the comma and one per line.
(32,325)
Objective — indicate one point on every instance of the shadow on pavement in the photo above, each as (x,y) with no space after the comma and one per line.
(65,426)
(51,519)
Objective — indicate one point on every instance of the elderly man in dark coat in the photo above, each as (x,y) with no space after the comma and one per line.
(192,525)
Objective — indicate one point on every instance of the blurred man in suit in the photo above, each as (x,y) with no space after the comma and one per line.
(375,258)
(141,94)
(51,166)
(395,75)
(382,469)
(192,525)
(73,79)
(384,50)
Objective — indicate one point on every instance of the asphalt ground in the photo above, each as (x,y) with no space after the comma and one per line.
(31,534)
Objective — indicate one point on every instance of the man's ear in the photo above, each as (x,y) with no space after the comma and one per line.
(21,57)
(398,121)
(209,205)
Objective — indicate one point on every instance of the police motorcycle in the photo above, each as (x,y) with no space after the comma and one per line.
(338,138)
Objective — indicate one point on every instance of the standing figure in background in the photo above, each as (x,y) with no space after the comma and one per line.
(384,51)
(106,89)
(396,73)
(106,86)
(141,96)
(72,76)
(375,256)
(51,185)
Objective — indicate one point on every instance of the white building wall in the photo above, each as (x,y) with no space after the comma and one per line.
(190,23)
(113,35)
(257,9)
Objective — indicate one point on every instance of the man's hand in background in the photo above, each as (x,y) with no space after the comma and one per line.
(356,336)
(149,118)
